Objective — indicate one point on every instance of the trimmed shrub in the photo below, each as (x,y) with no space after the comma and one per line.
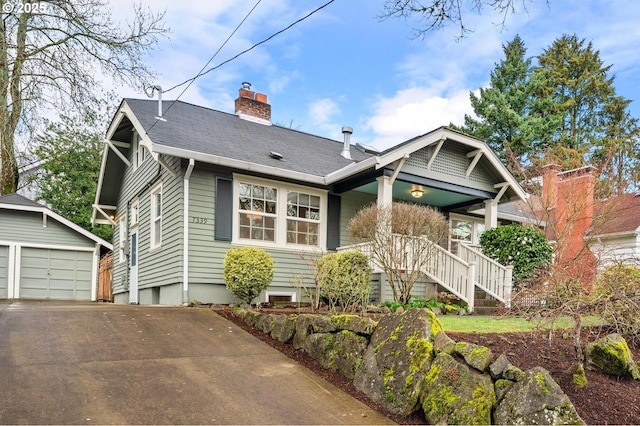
(523,247)
(344,278)
(247,271)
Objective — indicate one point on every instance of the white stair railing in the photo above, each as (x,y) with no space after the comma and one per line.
(490,276)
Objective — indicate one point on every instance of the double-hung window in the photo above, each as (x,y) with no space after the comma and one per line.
(156,216)
(258,212)
(303,218)
(275,214)
(122,239)
(138,151)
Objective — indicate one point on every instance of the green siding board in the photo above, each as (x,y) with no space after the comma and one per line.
(352,202)
(4,272)
(26,227)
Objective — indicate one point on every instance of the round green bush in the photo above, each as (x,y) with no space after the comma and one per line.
(247,271)
(344,278)
(523,247)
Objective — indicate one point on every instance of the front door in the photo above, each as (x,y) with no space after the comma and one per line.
(133,266)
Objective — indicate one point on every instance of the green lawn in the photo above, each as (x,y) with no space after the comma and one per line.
(489,324)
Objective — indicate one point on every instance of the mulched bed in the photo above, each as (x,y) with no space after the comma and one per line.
(605,400)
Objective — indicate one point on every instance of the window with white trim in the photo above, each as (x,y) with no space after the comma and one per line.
(138,151)
(465,229)
(303,218)
(133,213)
(156,216)
(276,214)
(122,239)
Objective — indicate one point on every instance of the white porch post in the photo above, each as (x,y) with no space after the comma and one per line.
(490,214)
(385,198)
(385,191)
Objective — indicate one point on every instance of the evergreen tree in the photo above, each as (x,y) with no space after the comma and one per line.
(578,81)
(72,152)
(511,119)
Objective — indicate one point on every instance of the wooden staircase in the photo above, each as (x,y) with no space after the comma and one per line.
(463,275)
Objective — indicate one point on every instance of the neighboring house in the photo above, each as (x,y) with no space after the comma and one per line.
(588,234)
(615,238)
(28,182)
(183,187)
(45,256)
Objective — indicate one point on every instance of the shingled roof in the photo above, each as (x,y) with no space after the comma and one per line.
(19,200)
(617,215)
(188,129)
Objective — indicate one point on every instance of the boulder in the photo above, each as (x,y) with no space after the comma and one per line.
(611,355)
(536,399)
(502,368)
(476,356)
(250,317)
(284,328)
(307,324)
(456,394)
(265,323)
(397,359)
(339,352)
(355,323)
(443,343)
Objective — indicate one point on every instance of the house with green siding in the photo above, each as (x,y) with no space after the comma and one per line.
(182,184)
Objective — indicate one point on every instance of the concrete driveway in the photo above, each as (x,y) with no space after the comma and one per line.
(83,363)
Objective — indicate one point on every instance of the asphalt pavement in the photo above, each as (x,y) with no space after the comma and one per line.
(97,363)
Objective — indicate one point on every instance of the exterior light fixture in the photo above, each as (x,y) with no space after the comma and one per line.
(417,193)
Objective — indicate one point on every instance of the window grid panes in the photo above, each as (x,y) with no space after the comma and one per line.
(156,217)
(258,212)
(303,218)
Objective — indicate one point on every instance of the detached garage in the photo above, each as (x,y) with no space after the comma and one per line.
(45,256)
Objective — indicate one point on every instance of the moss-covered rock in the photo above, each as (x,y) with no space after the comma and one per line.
(476,356)
(536,399)
(339,352)
(502,368)
(265,323)
(611,355)
(443,343)
(355,323)
(307,324)
(284,328)
(455,394)
(397,359)
(501,387)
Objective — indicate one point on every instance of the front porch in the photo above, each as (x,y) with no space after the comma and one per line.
(454,173)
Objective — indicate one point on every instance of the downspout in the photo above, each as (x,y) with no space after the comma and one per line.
(185,234)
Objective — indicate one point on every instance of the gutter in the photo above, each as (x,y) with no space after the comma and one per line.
(185,233)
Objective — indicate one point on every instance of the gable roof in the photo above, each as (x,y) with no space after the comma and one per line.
(191,131)
(617,215)
(19,203)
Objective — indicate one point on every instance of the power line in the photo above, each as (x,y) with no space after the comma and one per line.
(201,73)
(190,81)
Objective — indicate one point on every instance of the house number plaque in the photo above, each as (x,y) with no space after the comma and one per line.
(200,220)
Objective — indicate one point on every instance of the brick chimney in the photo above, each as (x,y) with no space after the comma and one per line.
(252,106)
(569,199)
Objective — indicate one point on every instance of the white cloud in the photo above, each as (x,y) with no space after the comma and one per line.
(415,111)
(322,111)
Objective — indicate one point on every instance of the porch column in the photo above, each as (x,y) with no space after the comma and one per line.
(490,214)
(385,191)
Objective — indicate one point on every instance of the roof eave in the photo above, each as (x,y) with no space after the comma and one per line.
(239,164)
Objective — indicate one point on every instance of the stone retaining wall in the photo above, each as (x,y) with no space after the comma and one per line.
(406,362)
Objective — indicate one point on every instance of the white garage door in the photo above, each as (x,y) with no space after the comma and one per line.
(55,274)
(4,271)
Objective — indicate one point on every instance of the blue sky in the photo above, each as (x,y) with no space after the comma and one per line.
(345,67)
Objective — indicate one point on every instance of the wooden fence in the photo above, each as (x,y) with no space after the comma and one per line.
(104,278)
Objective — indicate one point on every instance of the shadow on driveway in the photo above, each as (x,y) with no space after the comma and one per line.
(90,363)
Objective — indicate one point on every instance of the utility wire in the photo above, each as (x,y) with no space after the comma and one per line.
(190,81)
(249,49)
(201,73)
